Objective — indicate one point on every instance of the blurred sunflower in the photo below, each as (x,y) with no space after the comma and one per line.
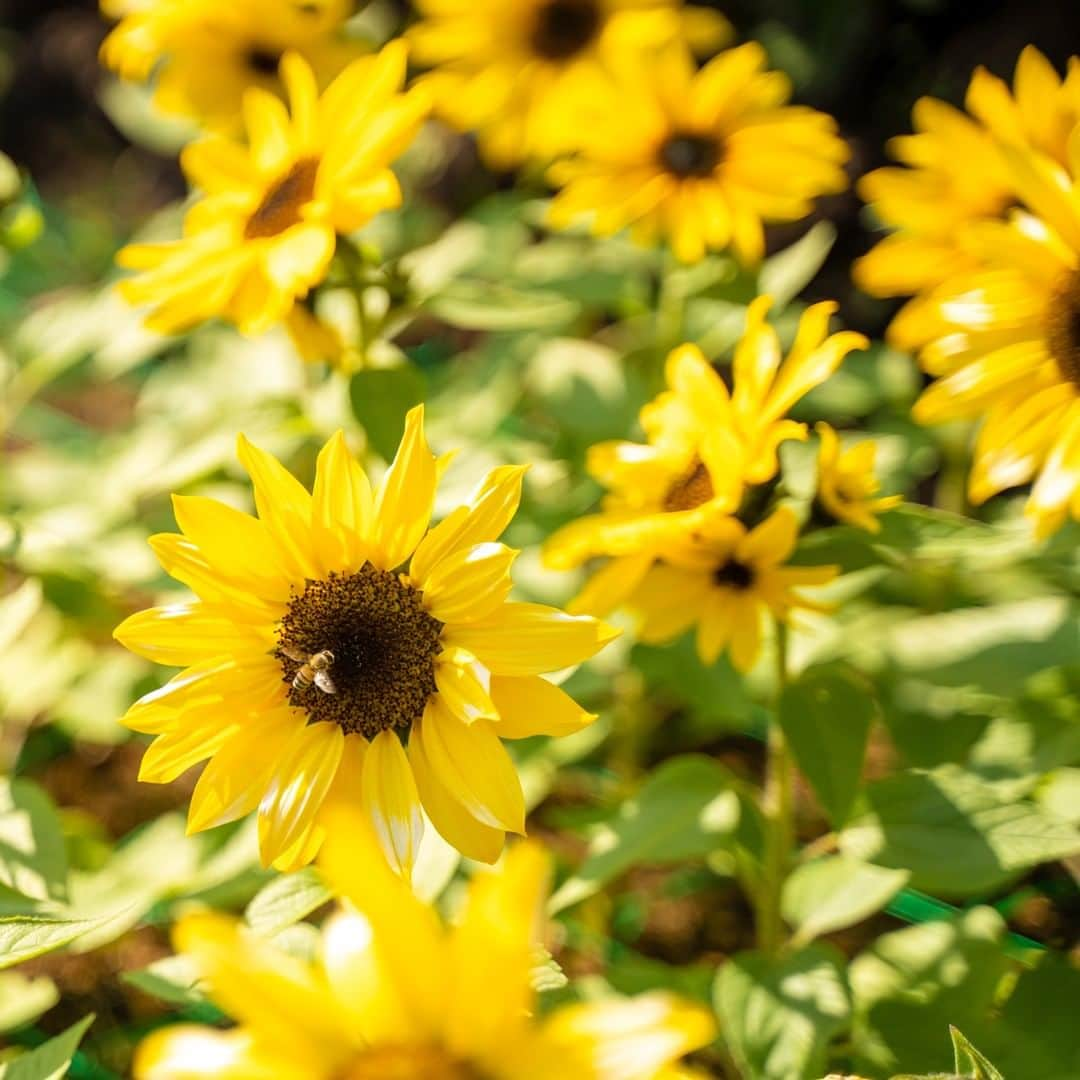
(954,171)
(702,158)
(206,54)
(265,232)
(726,580)
(521,73)
(313,655)
(847,484)
(704,446)
(394,994)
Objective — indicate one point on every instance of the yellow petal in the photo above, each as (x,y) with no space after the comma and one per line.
(532,706)
(182,634)
(745,632)
(470,583)
(267,124)
(611,585)
(195,736)
(388,794)
(463,686)
(191,1052)
(341,507)
(771,542)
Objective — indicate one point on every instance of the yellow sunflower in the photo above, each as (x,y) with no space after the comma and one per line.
(847,484)
(705,444)
(520,73)
(395,994)
(338,652)
(265,232)
(725,580)
(206,54)
(954,171)
(702,158)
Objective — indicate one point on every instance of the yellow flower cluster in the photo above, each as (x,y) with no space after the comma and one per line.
(986,220)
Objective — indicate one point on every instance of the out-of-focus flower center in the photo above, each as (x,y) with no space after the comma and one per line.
(735,575)
(282,203)
(381,643)
(687,155)
(408,1063)
(1063,327)
(263,61)
(564,27)
(691,489)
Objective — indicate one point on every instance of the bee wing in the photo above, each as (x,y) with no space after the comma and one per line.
(294,654)
(324,682)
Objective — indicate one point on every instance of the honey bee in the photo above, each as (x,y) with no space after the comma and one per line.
(314,669)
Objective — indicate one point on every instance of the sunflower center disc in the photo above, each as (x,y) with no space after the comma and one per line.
(690,155)
(280,208)
(564,27)
(735,575)
(263,61)
(1063,327)
(691,489)
(384,645)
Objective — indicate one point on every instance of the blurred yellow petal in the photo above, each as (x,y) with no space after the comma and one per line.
(190,1052)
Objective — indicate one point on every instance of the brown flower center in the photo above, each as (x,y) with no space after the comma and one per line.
(408,1063)
(281,205)
(686,155)
(1063,327)
(564,28)
(263,61)
(382,645)
(735,575)
(691,489)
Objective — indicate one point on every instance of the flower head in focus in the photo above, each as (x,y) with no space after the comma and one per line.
(522,73)
(340,652)
(705,446)
(725,579)
(394,994)
(848,487)
(265,232)
(206,54)
(701,158)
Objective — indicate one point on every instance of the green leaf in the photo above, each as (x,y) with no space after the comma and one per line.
(17,609)
(484,305)
(836,891)
(969,1061)
(286,900)
(32,855)
(23,937)
(380,399)
(684,810)
(777,1016)
(826,716)
(51,1060)
(954,831)
(172,979)
(784,275)
(23,999)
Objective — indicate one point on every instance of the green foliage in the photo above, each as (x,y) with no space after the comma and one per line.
(51,1060)
(380,399)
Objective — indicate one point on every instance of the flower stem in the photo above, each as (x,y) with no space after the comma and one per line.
(777,808)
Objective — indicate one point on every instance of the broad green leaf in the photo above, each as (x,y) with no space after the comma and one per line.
(286,900)
(23,937)
(777,1016)
(784,275)
(484,305)
(380,399)
(23,999)
(51,1060)
(173,979)
(32,856)
(954,831)
(683,811)
(969,1061)
(826,717)
(836,891)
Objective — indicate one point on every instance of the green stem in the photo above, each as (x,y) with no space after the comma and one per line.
(777,807)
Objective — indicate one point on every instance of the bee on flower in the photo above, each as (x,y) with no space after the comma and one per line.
(430,667)
(395,994)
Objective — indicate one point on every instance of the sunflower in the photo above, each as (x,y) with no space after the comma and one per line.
(703,158)
(520,73)
(847,484)
(395,994)
(338,652)
(725,579)
(704,446)
(206,54)
(954,171)
(265,232)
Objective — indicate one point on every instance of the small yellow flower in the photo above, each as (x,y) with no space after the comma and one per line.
(702,158)
(205,54)
(428,666)
(705,444)
(954,172)
(847,483)
(726,579)
(394,994)
(265,232)
(521,73)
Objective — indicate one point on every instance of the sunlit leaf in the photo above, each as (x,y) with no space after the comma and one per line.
(49,1061)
